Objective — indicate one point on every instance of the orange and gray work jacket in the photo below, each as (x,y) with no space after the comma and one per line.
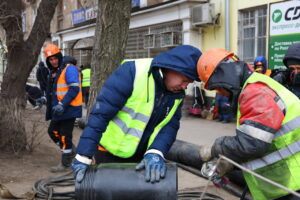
(62,88)
(66,89)
(281,163)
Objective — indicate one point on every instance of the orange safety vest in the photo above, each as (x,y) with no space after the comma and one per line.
(63,88)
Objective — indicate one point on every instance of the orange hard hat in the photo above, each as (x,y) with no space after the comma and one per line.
(51,50)
(209,61)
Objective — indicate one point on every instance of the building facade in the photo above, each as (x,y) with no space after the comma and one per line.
(158,25)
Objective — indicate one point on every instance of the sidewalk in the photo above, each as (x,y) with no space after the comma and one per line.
(200,131)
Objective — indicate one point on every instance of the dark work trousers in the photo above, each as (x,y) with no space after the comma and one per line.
(61,132)
(106,157)
(86,94)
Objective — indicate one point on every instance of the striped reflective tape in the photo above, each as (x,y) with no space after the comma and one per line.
(74,84)
(256,133)
(273,157)
(130,131)
(60,85)
(280,103)
(136,116)
(288,127)
(61,93)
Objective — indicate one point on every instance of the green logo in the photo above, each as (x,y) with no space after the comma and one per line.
(276,16)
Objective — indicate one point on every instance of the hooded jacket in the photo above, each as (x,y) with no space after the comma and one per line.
(72,76)
(261,111)
(118,88)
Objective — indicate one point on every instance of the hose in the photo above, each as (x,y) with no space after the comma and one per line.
(46,188)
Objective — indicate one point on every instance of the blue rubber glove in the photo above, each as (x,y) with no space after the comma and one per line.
(41,100)
(154,165)
(79,170)
(58,109)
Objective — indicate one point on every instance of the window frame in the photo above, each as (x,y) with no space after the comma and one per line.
(255,25)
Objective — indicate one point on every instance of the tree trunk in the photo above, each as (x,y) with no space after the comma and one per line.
(110,41)
(22,57)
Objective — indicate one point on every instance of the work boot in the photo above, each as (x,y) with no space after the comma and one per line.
(60,168)
(65,164)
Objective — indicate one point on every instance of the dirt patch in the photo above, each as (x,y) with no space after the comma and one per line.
(19,172)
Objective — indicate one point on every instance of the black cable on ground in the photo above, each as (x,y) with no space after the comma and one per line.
(47,188)
(188,195)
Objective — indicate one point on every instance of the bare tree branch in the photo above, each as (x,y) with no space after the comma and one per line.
(40,30)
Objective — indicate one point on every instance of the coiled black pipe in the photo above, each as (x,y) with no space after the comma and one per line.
(46,188)
(114,181)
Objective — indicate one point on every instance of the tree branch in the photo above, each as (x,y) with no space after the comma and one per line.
(41,26)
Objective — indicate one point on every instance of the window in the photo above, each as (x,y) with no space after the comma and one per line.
(252,34)
(149,41)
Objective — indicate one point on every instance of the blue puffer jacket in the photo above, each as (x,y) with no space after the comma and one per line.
(72,76)
(118,88)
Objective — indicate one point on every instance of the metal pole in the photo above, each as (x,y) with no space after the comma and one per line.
(227,27)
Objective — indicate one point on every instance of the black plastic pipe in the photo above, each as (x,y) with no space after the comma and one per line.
(115,181)
(185,153)
(187,157)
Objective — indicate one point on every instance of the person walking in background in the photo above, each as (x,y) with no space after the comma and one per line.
(224,107)
(42,74)
(261,66)
(86,82)
(64,103)
(136,115)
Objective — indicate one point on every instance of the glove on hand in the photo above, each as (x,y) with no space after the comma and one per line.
(41,100)
(58,109)
(79,170)
(210,168)
(154,165)
(205,152)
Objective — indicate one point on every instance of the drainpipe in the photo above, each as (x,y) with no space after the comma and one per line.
(227,30)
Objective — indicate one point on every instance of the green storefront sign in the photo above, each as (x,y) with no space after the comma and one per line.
(284,30)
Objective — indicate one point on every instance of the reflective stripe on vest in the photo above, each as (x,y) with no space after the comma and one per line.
(282,163)
(126,129)
(63,88)
(256,133)
(86,78)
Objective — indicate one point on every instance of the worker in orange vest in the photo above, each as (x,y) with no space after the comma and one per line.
(64,103)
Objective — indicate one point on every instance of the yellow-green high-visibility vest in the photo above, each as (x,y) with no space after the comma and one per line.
(126,129)
(282,163)
(86,78)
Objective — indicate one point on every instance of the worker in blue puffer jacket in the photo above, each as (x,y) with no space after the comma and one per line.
(136,115)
